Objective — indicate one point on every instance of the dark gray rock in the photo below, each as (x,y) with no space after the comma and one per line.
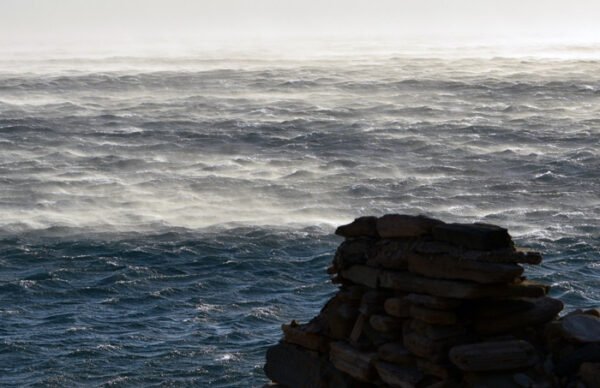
(360,227)
(403,226)
(473,236)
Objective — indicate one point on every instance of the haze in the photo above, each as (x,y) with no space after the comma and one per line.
(105,24)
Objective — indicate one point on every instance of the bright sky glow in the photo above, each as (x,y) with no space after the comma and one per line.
(104,24)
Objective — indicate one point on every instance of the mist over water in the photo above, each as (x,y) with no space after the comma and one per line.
(162,216)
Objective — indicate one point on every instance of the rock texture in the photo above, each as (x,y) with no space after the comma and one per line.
(423,303)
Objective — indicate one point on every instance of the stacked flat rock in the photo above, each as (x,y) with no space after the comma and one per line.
(423,303)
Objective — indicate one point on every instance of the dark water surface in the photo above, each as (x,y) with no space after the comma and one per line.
(138,196)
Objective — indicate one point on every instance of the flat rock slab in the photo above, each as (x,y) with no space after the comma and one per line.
(396,353)
(473,236)
(293,366)
(360,227)
(398,376)
(543,310)
(436,332)
(408,282)
(352,252)
(397,307)
(301,335)
(423,346)
(433,302)
(581,328)
(352,361)
(362,274)
(392,254)
(447,267)
(402,226)
(435,317)
(494,356)
(385,323)
(589,373)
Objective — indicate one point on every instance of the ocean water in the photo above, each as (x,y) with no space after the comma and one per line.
(161,217)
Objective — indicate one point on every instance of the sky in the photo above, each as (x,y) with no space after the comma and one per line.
(108,23)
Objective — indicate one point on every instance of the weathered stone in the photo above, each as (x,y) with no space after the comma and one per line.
(354,251)
(473,236)
(446,267)
(502,307)
(489,380)
(443,371)
(493,356)
(357,329)
(353,293)
(385,323)
(293,366)
(396,353)
(398,376)
(304,336)
(542,311)
(361,274)
(581,328)
(589,373)
(408,282)
(425,347)
(503,255)
(433,302)
(372,301)
(436,317)
(569,364)
(402,226)
(360,227)
(352,361)
(397,307)
(436,332)
(392,254)
(378,338)
(339,317)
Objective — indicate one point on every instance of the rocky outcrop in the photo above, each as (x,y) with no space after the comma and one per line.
(422,303)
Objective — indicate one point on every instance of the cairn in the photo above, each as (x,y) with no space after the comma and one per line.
(423,303)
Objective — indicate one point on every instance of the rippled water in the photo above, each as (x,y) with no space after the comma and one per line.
(161,217)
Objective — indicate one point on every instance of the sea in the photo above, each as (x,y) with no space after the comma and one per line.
(161,215)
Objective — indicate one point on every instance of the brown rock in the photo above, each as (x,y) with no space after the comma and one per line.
(396,353)
(301,335)
(360,227)
(354,251)
(422,346)
(447,267)
(436,317)
(357,329)
(397,307)
(543,310)
(493,356)
(361,274)
(385,323)
(502,255)
(293,366)
(473,236)
(589,373)
(408,282)
(443,371)
(372,301)
(392,254)
(433,302)
(352,361)
(398,376)
(581,328)
(402,226)
(436,332)
(502,307)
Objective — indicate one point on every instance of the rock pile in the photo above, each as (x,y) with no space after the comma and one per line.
(423,303)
